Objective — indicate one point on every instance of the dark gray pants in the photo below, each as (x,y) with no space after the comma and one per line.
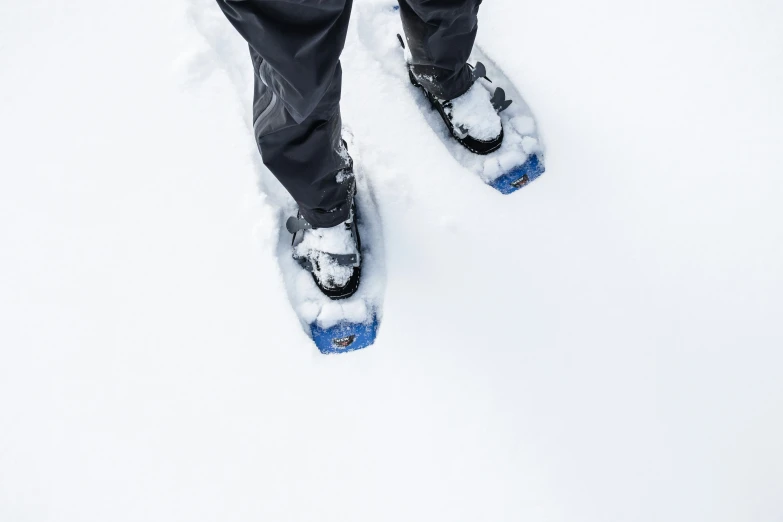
(295,47)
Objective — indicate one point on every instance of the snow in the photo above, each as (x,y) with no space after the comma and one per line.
(602,345)
(318,244)
(474,112)
(335,240)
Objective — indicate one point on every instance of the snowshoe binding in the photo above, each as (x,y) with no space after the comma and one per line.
(473,118)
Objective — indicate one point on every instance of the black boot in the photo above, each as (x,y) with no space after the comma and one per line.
(474,117)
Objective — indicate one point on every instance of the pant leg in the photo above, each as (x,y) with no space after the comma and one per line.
(295,47)
(440,36)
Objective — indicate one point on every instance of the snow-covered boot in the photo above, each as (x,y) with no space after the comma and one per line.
(474,117)
(332,255)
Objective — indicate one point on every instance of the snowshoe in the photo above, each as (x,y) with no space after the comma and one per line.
(508,162)
(335,279)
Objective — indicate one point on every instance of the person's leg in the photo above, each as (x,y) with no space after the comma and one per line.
(295,49)
(440,36)
(307,157)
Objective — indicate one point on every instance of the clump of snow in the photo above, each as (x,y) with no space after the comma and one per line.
(334,240)
(334,312)
(308,311)
(355,310)
(328,271)
(331,314)
(530,144)
(473,111)
(317,245)
(492,169)
(524,125)
(510,158)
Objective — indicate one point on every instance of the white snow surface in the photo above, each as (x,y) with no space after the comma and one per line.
(603,345)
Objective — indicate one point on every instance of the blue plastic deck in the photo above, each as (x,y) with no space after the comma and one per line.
(344,337)
(512,180)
